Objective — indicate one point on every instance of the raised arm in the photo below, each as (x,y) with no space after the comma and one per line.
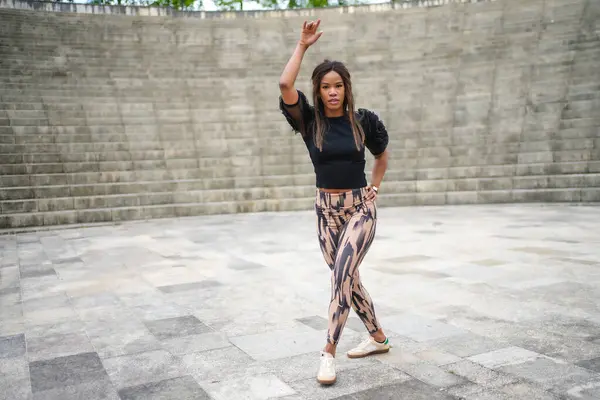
(288,77)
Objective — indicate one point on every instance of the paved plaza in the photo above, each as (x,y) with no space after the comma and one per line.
(480,302)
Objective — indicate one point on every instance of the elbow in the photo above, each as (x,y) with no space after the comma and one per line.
(382,158)
(284,85)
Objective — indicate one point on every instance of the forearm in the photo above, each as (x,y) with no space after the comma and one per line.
(290,72)
(379,169)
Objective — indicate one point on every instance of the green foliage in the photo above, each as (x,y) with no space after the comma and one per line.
(227,5)
(289,4)
(175,4)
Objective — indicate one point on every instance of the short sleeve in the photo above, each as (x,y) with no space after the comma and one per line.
(298,115)
(376,135)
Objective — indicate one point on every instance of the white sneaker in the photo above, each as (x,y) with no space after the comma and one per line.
(326,375)
(369,346)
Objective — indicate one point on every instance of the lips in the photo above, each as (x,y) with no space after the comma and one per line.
(334,101)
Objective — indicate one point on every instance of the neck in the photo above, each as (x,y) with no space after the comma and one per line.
(334,113)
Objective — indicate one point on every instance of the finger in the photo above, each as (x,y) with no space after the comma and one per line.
(317,24)
(304,25)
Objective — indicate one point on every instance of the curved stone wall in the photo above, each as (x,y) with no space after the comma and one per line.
(110,114)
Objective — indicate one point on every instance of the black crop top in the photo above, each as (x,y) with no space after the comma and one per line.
(339,165)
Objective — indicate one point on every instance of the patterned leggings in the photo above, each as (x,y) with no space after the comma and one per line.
(346,228)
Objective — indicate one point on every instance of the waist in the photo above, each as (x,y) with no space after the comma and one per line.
(345,199)
(333,176)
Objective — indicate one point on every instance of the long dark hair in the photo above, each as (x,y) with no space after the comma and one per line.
(348,106)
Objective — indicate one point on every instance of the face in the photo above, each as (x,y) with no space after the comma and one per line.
(332,92)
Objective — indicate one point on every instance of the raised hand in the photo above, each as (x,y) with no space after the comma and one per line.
(309,33)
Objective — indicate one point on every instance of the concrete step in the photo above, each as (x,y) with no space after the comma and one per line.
(117,214)
(573,181)
(135,180)
(185,137)
(247,167)
(90,216)
(52,163)
(406,171)
(129,126)
(58,198)
(21,106)
(154,198)
(588,195)
(140,183)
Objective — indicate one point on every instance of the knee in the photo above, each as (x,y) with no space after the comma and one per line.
(343,288)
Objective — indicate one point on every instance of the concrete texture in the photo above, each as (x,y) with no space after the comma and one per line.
(119,115)
(480,302)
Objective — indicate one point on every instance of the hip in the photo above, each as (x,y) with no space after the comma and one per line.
(345,204)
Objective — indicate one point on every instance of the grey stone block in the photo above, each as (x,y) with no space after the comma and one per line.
(505,356)
(549,195)
(485,377)
(176,327)
(52,345)
(419,328)
(254,386)
(114,336)
(143,368)
(551,374)
(196,343)
(592,364)
(60,218)
(590,194)
(66,371)
(279,344)
(14,378)
(430,199)
(101,388)
(12,346)
(184,387)
(193,286)
(315,322)
(462,198)
(413,389)
(18,206)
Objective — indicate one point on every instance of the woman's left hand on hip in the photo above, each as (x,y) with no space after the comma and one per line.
(371,194)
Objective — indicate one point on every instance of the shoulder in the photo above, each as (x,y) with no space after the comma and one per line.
(302,100)
(302,96)
(299,115)
(365,113)
(376,135)
(371,122)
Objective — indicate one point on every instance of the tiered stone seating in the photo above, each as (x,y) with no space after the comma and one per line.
(107,117)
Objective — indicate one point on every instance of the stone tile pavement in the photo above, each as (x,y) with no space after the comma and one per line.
(481,302)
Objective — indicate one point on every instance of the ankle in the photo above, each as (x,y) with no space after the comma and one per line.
(379,336)
(330,348)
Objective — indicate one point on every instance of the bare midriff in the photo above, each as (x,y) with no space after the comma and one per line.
(334,190)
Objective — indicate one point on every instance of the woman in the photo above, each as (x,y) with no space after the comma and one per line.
(336,136)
